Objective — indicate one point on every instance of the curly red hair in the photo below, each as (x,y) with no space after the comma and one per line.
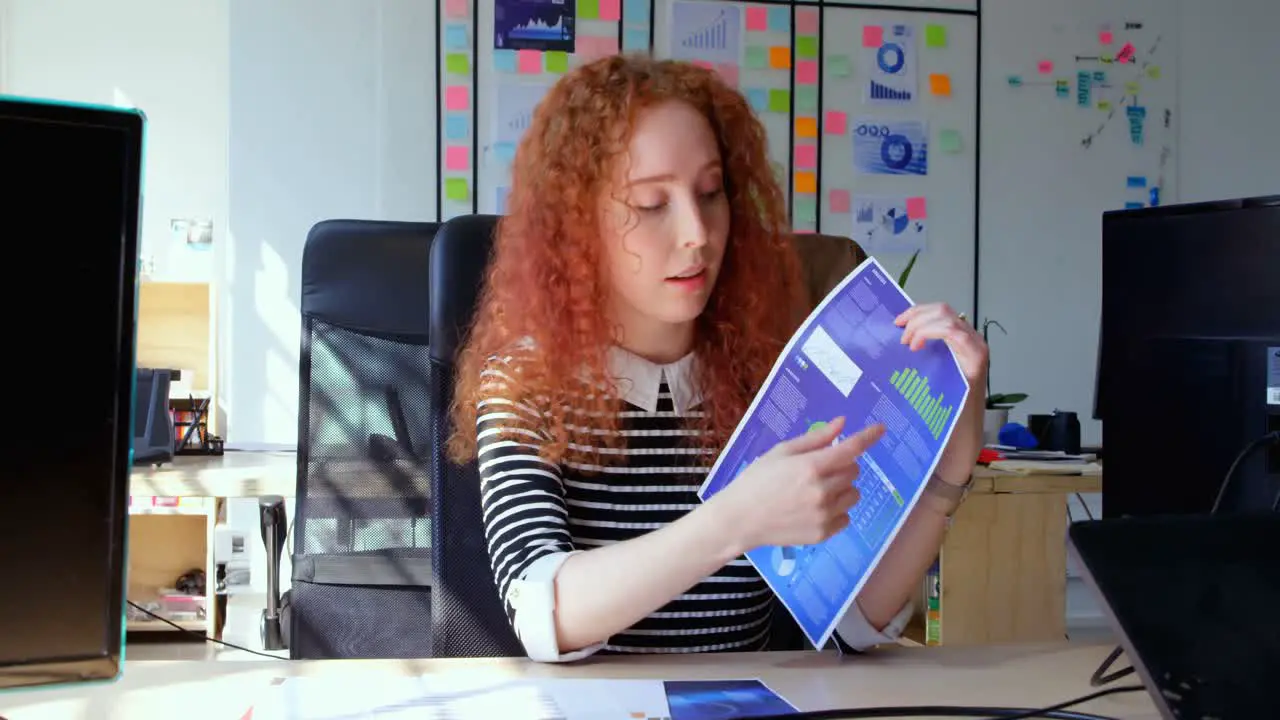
(543,281)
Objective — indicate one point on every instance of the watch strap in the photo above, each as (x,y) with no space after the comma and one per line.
(951,493)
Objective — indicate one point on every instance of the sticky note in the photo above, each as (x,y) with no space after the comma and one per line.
(807,127)
(1133,205)
(1015,81)
(940,84)
(1104,105)
(456,126)
(635,38)
(556,61)
(1099,76)
(916,209)
(806,21)
(836,123)
(457,97)
(872,36)
(1136,181)
(806,46)
(779,101)
(807,98)
(780,58)
(530,62)
(456,9)
(456,189)
(1105,37)
(806,157)
(839,201)
(1132,88)
(704,64)
(611,10)
(455,37)
(757,18)
(589,47)
(504,151)
(807,72)
(1126,53)
(728,72)
(806,182)
(635,13)
(457,64)
(589,9)
(1153,72)
(759,99)
(1045,67)
(806,209)
(504,61)
(839,66)
(779,19)
(949,141)
(757,57)
(457,157)
(935,36)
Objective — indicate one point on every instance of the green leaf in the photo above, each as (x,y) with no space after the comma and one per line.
(1005,399)
(906,271)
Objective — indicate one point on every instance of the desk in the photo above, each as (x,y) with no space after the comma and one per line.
(238,473)
(1028,676)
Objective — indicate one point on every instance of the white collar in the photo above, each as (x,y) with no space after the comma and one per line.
(638,380)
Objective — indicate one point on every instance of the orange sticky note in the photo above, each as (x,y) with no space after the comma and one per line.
(839,200)
(916,209)
(780,58)
(807,156)
(837,122)
(872,35)
(807,72)
(457,158)
(1045,67)
(457,97)
(806,182)
(807,127)
(940,84)
(757,18)
(529,62)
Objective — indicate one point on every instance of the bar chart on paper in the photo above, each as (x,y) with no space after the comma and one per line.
(915,388)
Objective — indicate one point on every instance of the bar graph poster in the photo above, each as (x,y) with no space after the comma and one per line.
(890,147)
(890,224)
(847,360)
(706,31)
(534,25)
(889,55)
(513,106)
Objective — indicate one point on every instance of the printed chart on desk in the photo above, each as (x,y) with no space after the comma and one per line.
(848,361)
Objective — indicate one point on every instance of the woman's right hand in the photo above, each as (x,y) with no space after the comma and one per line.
(800,492)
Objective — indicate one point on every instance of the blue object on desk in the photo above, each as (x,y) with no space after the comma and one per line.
(1017,435)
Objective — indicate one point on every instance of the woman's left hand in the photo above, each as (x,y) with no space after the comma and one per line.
(938,321)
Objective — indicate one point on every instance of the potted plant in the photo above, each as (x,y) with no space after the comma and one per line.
(998,404)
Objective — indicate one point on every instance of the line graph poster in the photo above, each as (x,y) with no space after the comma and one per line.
(534,25)
(890,224)
(847,360)
(706,31)
(890,147)
(889,55)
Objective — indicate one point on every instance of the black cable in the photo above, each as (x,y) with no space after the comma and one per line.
(1058,711)
(1268,439)
(1100,676)
(200,635)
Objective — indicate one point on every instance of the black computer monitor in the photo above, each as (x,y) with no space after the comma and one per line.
(69,206)
(1188,374)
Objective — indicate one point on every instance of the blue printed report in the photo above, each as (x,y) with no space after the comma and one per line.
(848,360)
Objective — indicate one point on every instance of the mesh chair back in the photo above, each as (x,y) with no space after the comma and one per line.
(468,618)
(362,566)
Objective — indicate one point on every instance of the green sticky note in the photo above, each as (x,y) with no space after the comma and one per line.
(807,46)
(806,209)
(589,9)
(757,57)
(555,61)
(457,64)
(839,66)
(935,36)
(807,98)
(949,141)
(1153,72)
(456,189)
(780,101)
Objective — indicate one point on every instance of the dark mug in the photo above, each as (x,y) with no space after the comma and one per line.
(1039,427)
(1063,433)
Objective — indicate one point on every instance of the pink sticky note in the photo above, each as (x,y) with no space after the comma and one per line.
(455,8)
(1105,37)
(806,157)
(611,10)
(457,97)
(704,64)
(807,72)
(872,35)
(806,21)
(916,208)
(1126,53)
(457,158)
(757,18)
(1045,67)
(729,73)
(593,48)
(839,200)
(529,62)
(837,122)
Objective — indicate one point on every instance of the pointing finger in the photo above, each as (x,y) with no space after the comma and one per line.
(844,453)
(818,437)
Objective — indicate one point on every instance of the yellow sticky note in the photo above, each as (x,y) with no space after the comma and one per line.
(457,64)
(940,84)
(556,61)
(1104,105)
(456,189)
(807,127)
(806,182)
(1153,72)
(1132,88)
(780,58)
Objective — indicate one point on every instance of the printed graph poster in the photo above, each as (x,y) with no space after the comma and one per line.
(534,25)
(709,32)
(513,104)
(889,56)
(890,147)
(884,224)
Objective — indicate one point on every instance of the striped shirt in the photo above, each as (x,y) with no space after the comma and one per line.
(536,513)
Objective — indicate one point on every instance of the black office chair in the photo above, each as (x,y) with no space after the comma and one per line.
(361,539)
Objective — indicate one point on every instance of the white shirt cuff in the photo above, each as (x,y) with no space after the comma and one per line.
(533,598)
(859,634)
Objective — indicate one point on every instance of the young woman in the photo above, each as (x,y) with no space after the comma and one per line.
(641,288)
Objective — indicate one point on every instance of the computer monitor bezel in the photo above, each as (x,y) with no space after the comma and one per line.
(107,665)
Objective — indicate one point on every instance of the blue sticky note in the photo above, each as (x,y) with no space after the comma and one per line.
(456,126)
(759,99)
(1133,206)
(504,151)
(635,12)
(635,39)
(500,199)
(455,37)
(1136,181)
(504,61)
(780,19)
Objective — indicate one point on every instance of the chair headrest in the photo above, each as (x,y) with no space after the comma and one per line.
(369,275)
(459,258)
